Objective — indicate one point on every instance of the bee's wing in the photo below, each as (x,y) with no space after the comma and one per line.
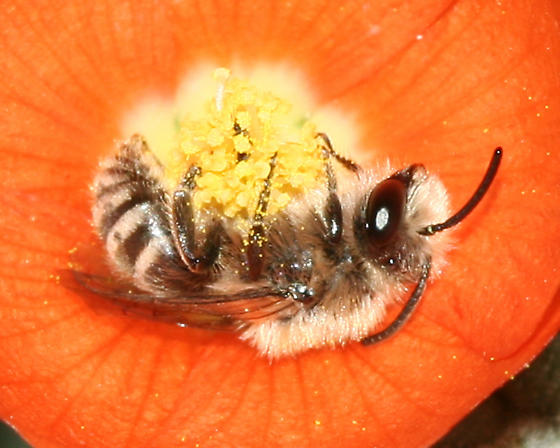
(199,308)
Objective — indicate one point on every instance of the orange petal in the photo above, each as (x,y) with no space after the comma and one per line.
(436,82)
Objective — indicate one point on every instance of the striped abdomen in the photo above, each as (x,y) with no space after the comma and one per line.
(129,215)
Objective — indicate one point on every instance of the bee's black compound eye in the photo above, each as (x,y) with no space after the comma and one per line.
(384,211)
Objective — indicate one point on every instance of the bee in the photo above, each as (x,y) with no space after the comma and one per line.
(319,273)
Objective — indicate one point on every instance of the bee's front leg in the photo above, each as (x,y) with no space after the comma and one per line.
(198,257)
(331,215)
(331,219)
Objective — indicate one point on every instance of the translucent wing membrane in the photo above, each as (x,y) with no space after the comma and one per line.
(198,309)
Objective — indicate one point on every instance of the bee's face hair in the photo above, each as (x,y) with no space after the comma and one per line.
(390,216)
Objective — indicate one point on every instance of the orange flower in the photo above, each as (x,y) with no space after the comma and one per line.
(437,82)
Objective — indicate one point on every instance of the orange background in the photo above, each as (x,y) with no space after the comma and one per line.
(482,74)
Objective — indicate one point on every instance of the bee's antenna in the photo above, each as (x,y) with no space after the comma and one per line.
(473,201)
(406,312)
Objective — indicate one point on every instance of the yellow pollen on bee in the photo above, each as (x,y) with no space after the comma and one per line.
(243,134)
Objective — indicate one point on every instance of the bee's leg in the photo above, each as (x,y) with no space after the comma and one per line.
(238,130)
(405,313)
(255,244)
(198,259)
(331,217)
(344,161)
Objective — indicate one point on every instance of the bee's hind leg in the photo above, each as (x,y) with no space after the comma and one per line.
(198,257)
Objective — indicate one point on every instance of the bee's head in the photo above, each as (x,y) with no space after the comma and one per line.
(396,220)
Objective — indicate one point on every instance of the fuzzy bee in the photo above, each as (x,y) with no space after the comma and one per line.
(321,272)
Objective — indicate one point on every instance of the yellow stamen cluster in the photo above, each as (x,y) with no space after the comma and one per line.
(243,130)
